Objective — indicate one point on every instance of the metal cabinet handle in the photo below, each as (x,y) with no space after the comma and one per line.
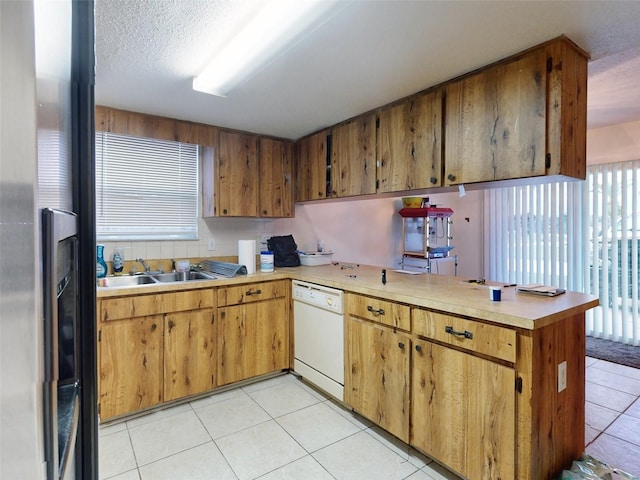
(153,327)
(465,334)
(451,177)
(251,292)
(418,348)
(433,180)
(401,345)
(379,311)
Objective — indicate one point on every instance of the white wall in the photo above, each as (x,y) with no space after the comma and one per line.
(367,231)
(617,143)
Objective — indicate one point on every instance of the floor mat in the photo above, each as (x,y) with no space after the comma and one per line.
(613,352)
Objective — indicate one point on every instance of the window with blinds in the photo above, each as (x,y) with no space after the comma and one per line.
(146,189)
(583,236)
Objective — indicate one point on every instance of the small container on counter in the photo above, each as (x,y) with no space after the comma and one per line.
(266,261)
(101,265)
(495,294)
(118,260)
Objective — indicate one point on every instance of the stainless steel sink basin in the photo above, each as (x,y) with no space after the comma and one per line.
(126,281)
(146,279)
(178,277)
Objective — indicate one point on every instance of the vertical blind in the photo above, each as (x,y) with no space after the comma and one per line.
(145,188)
(582,236)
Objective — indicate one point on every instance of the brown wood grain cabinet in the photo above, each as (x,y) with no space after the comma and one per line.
(130,376)
(189,353)
(522,118)
(237,175)
(377,374)
(154,348)
(252,176)
(462,406)
(275,181)
(253,330)
(485,400)
(409,148)
(312,167)
(353,157)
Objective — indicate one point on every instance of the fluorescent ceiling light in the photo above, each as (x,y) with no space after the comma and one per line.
(275,28)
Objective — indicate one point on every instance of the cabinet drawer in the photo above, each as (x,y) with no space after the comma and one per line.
(478,337)
(189,300)
(252,292)
(129,307)
(381,311)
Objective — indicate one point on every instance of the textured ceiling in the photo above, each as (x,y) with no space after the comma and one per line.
(364,54)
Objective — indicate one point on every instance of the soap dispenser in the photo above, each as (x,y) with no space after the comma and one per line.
(101,265)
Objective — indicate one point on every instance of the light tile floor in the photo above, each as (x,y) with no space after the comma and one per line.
(281,428)
(612,414)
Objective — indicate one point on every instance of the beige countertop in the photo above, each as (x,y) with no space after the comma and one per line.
(438,292)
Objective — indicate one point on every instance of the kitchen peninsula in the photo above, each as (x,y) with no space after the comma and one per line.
(477,385)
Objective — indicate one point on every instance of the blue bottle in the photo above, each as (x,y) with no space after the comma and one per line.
(101,265)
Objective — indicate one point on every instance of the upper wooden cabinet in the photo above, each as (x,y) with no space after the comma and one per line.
(353,157)
(276,178)
(410,144)
(525,117)
(312,167)
(249,176)
(237,177)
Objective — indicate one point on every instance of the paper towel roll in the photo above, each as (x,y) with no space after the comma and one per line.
(247,255)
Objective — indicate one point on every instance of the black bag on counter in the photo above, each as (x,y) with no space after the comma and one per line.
(285,251)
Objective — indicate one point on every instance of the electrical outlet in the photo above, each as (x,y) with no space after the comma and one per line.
(211,244)
(562,376)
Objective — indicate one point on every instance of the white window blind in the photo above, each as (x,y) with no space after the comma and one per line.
(54,170)
(145,188)
(583,236)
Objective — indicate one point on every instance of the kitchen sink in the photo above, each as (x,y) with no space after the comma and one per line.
(178,277)
(154,278)
(126,281)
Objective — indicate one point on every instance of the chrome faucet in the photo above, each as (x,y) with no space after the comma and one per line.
(144,264)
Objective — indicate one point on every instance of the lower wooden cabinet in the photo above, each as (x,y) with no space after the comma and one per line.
(463,411)
(130,365)
(377,375)
(253,330)
(189,353)
(153,349)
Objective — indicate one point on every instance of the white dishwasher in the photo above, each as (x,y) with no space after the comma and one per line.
(318,324)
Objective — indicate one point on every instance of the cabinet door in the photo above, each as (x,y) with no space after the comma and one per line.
(189,353)
(353,158)
(463,411)
(377,375)
(495,122)
(410,144)
(130,365)
(253,339)
(312,167)
(237,194)
(276,178)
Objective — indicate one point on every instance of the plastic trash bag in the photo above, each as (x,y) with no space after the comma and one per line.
(589,468)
